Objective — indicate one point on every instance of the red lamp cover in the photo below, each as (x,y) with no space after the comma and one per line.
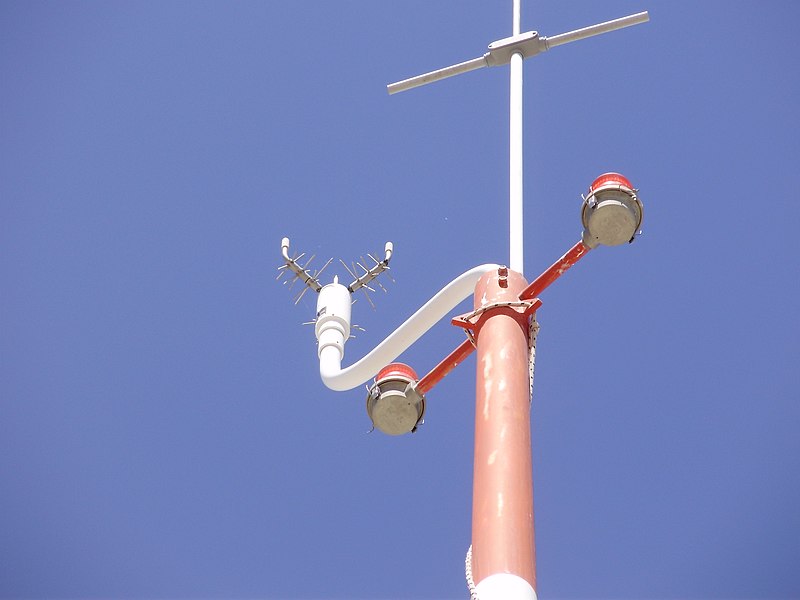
(396,370)
(610,179)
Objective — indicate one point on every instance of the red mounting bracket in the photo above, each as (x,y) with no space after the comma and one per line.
(519,310)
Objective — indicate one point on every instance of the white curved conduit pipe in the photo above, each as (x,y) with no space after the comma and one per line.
(333,329)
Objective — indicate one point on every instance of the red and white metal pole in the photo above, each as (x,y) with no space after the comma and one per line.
(503,551)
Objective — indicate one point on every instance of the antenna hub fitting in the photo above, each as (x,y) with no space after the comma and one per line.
(527,44)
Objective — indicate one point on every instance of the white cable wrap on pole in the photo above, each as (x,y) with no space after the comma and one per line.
(473,595)
(533,333)
(330,357)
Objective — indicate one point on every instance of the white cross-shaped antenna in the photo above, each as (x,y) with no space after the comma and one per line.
(513,50)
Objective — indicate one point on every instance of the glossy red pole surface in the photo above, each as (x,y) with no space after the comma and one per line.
(502,510)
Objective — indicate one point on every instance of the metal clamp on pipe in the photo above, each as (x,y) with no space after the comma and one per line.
(527,44)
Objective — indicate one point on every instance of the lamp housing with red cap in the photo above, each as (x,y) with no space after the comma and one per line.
(393,402)
(612,212)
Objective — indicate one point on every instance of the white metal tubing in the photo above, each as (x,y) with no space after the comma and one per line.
(412,82)
(515,166)
(336,378)
(515,151)
(333,316)
(579,34)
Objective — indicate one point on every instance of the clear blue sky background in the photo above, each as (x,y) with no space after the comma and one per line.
(163,430)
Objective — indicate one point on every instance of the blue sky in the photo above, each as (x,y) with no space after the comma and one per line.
(163,430)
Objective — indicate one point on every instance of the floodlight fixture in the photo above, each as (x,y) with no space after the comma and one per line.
(612,212)
(393,402)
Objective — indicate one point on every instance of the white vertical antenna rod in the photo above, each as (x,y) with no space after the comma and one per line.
(515,152)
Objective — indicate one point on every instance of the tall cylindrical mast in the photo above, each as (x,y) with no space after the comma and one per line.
(503,551)
(503,554)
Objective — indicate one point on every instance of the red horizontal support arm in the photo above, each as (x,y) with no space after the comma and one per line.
(455,358)
(539,284)
(556,270)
